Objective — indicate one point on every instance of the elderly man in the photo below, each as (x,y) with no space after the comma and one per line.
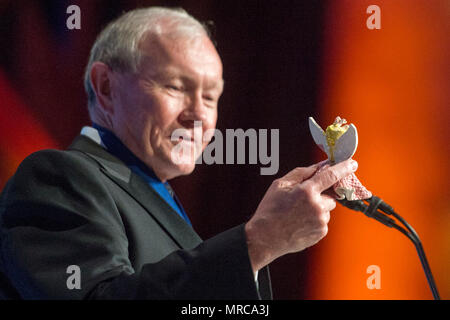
(100,221)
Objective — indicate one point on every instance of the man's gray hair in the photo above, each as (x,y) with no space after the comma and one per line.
(118,44)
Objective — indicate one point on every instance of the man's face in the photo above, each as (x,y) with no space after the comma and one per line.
(180,81)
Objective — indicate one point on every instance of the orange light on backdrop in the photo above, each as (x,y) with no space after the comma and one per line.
(393,84)
(20,133)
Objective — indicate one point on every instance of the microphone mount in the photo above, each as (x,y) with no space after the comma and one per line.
(379,210)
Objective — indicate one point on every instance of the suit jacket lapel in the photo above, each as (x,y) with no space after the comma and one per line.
(181,232)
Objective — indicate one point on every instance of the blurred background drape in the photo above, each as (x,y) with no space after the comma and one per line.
(283,61)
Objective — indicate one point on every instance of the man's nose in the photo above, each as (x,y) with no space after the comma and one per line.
(195,110)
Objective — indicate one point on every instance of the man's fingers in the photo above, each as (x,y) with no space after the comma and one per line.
(328,203)
(301,174)
(326,217)
(329,176)
(330,193)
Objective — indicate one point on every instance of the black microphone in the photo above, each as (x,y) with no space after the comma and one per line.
(359,205)
(371,210)
(383,206)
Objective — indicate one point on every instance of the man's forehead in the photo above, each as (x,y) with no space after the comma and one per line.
(166,52)
(171,43)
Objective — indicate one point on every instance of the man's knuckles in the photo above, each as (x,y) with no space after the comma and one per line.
(323,231)
(306,191)
(299,174)
(328,177)
(321,228)
(324,218)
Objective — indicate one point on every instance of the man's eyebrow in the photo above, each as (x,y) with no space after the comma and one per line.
(169,75)
(210,84)
(216,84)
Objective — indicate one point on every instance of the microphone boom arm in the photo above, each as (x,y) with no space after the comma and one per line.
(378,210)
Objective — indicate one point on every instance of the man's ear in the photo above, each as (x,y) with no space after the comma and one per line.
(101,83)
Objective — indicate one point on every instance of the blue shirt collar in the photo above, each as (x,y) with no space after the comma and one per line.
(118,149)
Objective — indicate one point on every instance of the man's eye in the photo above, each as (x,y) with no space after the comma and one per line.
(174,88)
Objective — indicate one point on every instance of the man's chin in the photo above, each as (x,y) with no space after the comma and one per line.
(184,169)
(181,163)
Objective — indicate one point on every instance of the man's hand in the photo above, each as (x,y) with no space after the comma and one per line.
(294,213)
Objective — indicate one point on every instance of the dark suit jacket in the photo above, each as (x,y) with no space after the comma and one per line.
(84,207)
